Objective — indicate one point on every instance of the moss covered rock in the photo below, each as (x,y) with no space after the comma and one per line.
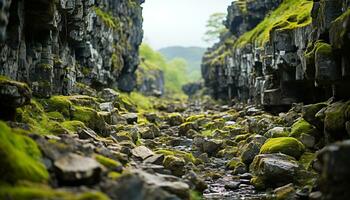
(175,164)
(20,158)
(302,127)
(286,145)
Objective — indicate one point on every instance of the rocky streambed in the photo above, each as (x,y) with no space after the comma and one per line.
(104,146)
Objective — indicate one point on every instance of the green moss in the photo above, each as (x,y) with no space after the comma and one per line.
(239,138)
(194,195)
(114,175)
(188,157)
(44,192)
(290,14)
(73,126)
(313,48)
(302,127)
(234,163)
(107,162)
(194,118)
(306,160)
(286,145)
(60,104)
(56,116)
(258,183)
(107,18)
(339,30)
(20,158)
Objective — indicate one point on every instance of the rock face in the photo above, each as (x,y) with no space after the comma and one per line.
(335,172)
(55,46)
(290,56)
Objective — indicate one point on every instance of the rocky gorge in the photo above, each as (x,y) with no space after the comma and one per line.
(73,126)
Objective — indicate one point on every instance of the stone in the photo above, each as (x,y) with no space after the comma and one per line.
(286,192)
(73,169)
(156,159)
(185,127)
(211,146)
(232,185)
(107,107)
(131,118)
(13,94)
(334,172)
(142,152)
(277,132)
(175,164)
(138,184)
(249,151)
(149,132)
(109,95)
(175,119)
(274,170)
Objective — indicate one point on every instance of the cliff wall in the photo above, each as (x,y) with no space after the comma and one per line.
(57,46)
(280,52)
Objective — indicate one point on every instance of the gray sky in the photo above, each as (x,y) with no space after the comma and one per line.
(178,22)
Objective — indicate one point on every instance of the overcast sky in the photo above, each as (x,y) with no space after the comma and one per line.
(178,22)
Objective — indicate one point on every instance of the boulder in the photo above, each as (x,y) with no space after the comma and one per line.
(286,145)
(13,94)
(277,132)
(273,170)
(334,172)
(73,169)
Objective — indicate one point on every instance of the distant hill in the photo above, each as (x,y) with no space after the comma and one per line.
(193,56)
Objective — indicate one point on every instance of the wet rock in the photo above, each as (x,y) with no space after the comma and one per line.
(139,184)
(334,170)
(249,151)
(286,192)
(74,169)
(195,181)
(315,195)
(232,185)
(131,118)
(152,117)
(186,127)
(334,123)
(142,152)
(13,94)
(273,170)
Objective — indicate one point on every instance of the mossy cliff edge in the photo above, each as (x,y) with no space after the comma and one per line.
(56,46)
(280,52)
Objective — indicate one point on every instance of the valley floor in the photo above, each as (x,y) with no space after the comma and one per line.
(116,146)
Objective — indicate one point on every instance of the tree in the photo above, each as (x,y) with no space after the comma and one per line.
(215,27)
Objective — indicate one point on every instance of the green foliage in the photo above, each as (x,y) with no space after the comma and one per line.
(290,14)
(215,27)
(192,55)
(286,145)
(107,18)
(20,157)
(175,71)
